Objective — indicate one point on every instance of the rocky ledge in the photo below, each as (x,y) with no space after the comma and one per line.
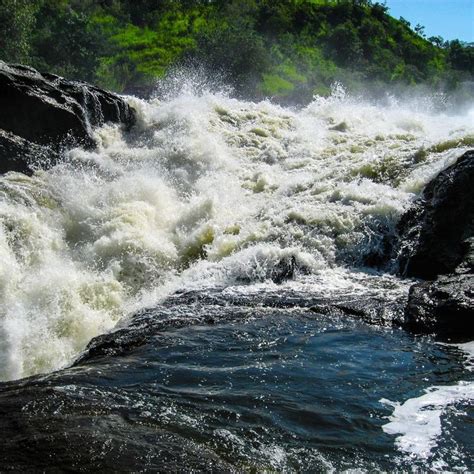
(437,245)
(43,114)
(444,307)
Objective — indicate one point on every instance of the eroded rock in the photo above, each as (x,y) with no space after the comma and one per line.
(437,232)
(444,307)
(41,114)
(438,245)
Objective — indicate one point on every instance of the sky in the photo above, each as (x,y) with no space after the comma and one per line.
(450,19)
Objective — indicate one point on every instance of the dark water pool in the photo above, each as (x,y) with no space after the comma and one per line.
(280,390)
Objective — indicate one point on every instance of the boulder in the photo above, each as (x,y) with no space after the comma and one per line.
(18,154)
(437,244)
(43,110)
(437,233)
(444,307)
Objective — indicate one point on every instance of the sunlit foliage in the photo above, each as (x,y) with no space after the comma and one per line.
(290,49)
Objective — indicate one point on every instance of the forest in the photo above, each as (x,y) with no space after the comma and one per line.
(289,50)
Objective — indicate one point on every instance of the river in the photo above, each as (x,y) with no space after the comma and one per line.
(204,250)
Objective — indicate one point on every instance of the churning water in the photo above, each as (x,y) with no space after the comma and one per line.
(267,207)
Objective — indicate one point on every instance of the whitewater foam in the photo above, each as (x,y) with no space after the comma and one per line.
(207,189)
(418,421)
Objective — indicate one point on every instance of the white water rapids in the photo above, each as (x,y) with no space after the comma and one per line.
(207,190)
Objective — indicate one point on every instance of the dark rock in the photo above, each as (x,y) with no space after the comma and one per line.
(437,243)
(282,270)
(23,156)
(213,307)
(46,429)
(372,310)
(444,307)
(39,110)
(437,233)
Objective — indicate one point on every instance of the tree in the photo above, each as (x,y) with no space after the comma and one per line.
(461,57)
(237,51)
(405,22)
(420,30)
(17,20)
(66,42)
(437,41)
(345,44)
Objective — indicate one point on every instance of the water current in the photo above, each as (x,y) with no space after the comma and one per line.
(203,239)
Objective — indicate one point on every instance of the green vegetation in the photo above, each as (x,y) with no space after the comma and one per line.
(290,49)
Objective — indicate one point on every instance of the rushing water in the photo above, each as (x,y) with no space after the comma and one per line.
(262,209)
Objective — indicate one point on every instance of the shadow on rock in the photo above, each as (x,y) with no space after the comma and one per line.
(437,244)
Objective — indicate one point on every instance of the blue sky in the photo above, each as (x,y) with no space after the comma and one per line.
(451,19)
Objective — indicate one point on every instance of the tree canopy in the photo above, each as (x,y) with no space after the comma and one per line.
(290,49)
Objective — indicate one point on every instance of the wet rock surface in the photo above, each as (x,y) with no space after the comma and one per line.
(437,243)
(444,307)
(41,114)
(192,308)
(50,427)
(198,385)
(436,233)
(18,154)
(92,416)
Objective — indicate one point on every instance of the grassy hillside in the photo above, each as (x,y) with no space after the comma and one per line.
(290,49)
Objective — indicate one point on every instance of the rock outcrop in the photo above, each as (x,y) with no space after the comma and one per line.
(18,154)
(437,244)
(444,307)
(437,232)
(41,114)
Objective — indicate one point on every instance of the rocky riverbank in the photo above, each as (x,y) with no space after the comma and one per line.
(437,245)
(41,115)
